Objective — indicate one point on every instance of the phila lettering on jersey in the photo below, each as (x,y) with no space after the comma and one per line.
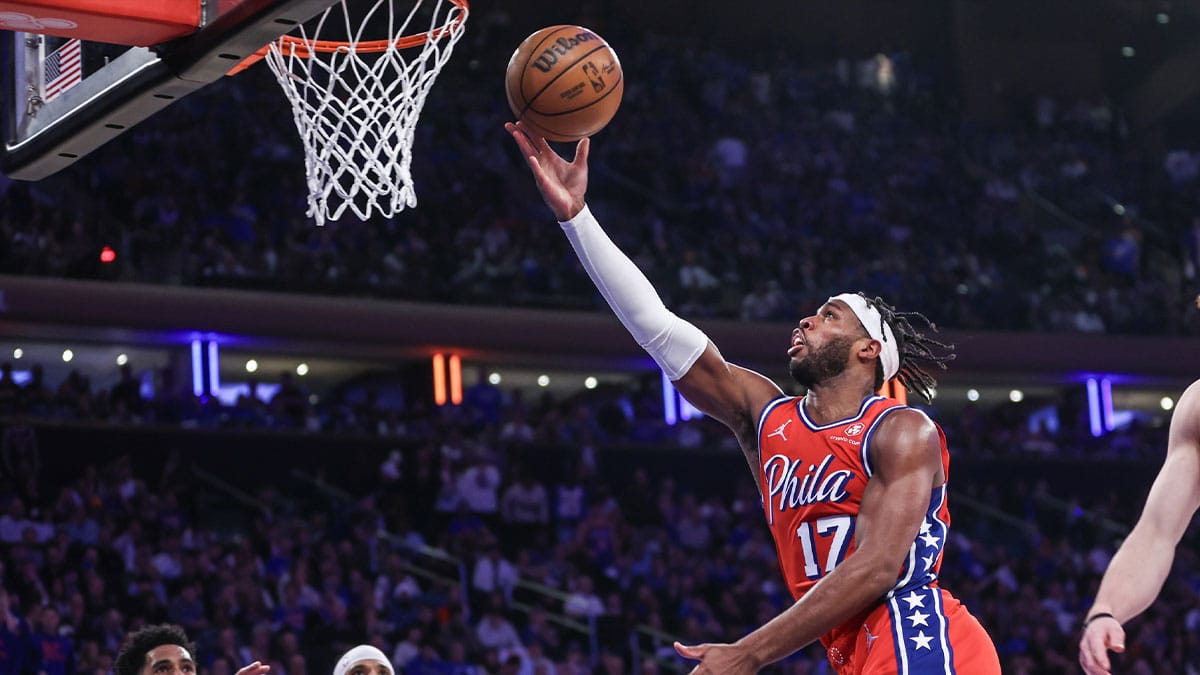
(813,478)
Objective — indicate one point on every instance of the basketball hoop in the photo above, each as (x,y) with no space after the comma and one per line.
(356,102)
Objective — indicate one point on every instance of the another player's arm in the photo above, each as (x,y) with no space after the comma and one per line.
(1141,565)
(728,393)
(906,454)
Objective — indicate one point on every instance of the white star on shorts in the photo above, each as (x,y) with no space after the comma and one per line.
(919,619)
(922,641)
(914,600)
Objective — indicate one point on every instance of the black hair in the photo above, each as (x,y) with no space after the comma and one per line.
(913,347)
(132,656)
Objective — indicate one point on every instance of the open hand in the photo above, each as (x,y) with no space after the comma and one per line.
(256,668)
(563,184)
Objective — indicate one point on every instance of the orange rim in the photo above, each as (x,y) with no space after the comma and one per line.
(304,50)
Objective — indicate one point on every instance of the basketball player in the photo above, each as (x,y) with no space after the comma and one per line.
(853,484)
(363,660)
(165,649)
(1139,568)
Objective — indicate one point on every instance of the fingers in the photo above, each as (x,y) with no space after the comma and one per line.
(536,141)
(256,668)
(1114,637)
(581,150)
(522,138)
(690,652)
(539,173)
(539,141)
(1090,663)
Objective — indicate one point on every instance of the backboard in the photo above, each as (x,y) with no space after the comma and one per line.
(78,73)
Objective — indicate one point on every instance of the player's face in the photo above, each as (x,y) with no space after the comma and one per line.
(821,344)
(169,660)
(369,667)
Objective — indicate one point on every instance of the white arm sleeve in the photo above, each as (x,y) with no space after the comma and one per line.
(673,343)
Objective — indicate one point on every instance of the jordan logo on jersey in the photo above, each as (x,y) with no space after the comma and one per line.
(818,484)
(779,432)
(870,638)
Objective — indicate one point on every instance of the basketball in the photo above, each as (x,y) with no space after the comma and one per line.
(564,82)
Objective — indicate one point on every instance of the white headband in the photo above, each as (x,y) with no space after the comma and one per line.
(361,653)
(877,328)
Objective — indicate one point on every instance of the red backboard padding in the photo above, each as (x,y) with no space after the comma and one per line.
(124,22)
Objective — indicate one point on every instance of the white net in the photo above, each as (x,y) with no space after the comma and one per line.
(356,106)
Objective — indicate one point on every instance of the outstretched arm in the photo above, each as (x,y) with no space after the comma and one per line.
(1140,567)
(728,393)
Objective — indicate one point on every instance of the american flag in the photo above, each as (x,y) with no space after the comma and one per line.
(64,69)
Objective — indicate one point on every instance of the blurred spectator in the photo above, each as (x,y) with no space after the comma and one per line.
(54,652)
(581,601)
(479,486)
(493,573)
(10,391)
(125,398)
(496,632)
(524,508)
(16,645)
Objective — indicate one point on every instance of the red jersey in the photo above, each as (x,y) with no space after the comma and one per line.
(812,479)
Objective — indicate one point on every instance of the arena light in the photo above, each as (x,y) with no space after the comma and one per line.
(590,382)
(543,380)
(197,369)
(670,411)
(302,369)
(1166,403)
(108,255)
(1162,18)
(494,378)
(214,367)
(251,366)
(18,353)
(67,355)
(122,359)
(1016,395)
(972,395)
(1095,422)
(439,379)
(456,394)
(1106,404)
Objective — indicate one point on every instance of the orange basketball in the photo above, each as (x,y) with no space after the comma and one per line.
(564,82)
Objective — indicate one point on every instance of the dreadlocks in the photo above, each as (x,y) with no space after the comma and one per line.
(913,347)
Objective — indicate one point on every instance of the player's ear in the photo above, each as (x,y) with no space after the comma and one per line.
(869,348)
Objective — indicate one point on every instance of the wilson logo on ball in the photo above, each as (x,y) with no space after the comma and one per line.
(546,60)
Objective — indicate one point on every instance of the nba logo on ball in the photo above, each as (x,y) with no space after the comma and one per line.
(564,82)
